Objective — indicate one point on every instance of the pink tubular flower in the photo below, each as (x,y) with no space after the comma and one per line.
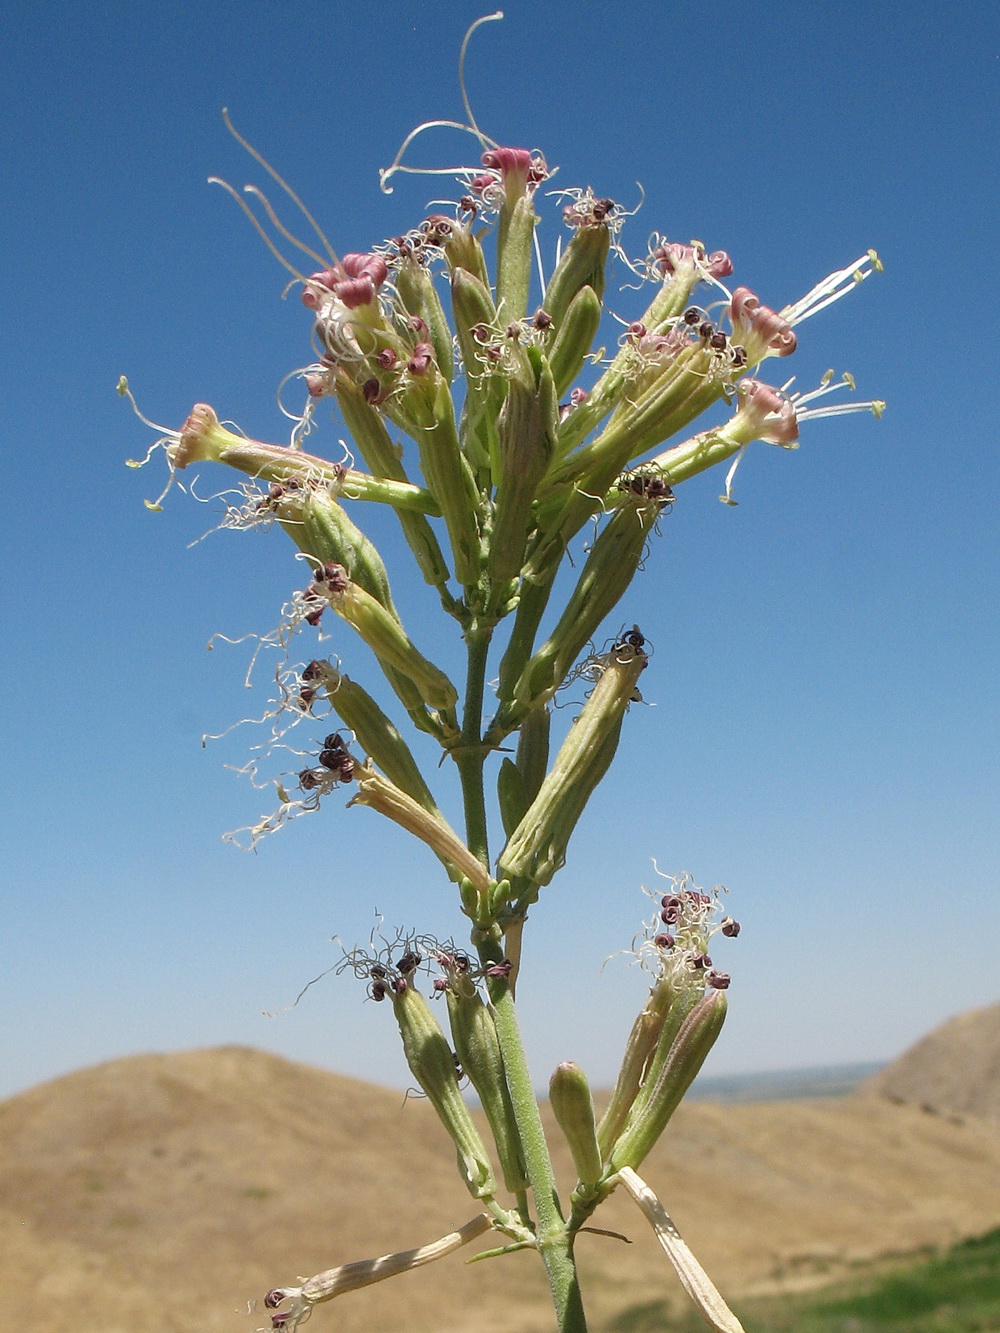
(353,281)
(759,328)
(517,168)
(671,255)
(766,414)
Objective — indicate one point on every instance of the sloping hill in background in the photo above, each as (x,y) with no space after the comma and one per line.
(158,1194)
(955,1068)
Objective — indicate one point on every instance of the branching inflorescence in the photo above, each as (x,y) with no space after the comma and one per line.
(444,337)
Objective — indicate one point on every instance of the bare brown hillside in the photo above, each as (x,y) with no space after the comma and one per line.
(159,1193)
(954,1068)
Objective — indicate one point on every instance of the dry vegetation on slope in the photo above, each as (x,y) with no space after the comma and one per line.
(954,1068)
(159,1193)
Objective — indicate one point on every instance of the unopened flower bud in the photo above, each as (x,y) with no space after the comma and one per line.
(574,337)
(583,263)
(573,1108)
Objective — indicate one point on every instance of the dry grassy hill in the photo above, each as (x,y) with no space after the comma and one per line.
(159,1193)
(955,1068)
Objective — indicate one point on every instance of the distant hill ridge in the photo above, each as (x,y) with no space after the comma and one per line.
(955,1068)
(160,1193)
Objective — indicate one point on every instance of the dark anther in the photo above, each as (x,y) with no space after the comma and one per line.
(739,355)
(718,341)
(280,1318)
(467,204)
(718,980)
(706,329)
(335,575)
(700,961)
(494,353)
(386,358)
(513,331)
(462,963)
(399,985)
(293,483)
(346,768)
(671,900)
(274,1298)
(501,970)
(440,984)
(377,971)
(603,208)
(312,670)
(409,962)
(664,941)
(541,320)
(636,329)
(417,324)
(692,316)
(305,698)
(371,390)
(274,491)
(730,927)
(378,990)
(634,637)
(331,759)
(308,779)
(670,916)
(334,741)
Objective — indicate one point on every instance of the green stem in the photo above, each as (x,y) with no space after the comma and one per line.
(555,1243)
(469,753)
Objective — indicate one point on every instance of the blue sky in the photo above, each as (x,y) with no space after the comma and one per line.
(824,736)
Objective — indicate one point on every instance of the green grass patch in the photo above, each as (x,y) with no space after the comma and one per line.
(956,1292)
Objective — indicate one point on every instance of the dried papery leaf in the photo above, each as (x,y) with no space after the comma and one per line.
(696,1282)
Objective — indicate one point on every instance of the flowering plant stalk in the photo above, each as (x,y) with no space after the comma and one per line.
(520,435)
